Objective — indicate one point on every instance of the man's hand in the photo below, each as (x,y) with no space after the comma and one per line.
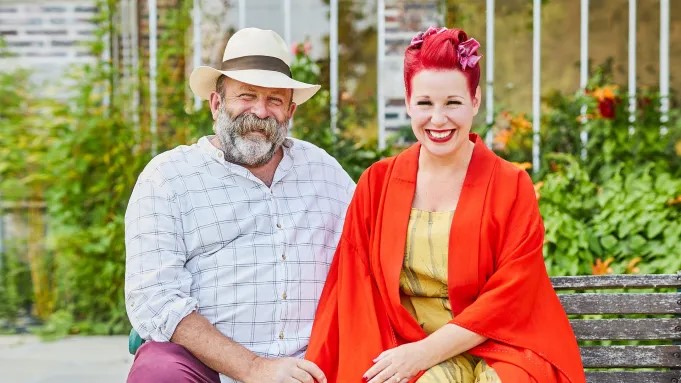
(284,370)
(399,364)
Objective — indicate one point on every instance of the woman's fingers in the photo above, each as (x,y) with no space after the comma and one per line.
(377,368)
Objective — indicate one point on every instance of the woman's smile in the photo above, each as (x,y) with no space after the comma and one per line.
(440,135)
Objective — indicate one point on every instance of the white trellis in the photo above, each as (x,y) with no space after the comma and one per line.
(584,66)
(536,63)
(153,100)
(489,86)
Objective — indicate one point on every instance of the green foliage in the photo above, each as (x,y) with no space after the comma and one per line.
(23,278)
(312,122)
(82,156)
(60,324)
(566,204)
(614,204)
(625,218)
(94,163)
(15,287)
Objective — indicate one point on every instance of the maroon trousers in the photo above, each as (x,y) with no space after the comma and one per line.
(169,362)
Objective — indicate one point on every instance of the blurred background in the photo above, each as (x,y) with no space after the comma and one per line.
(581,94)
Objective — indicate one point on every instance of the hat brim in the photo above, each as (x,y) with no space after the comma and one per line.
(202,82)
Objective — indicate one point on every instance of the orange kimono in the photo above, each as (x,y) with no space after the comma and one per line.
(498,285)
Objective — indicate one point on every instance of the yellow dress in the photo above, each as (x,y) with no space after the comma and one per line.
(423,286)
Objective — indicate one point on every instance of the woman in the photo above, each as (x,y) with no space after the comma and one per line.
(439,274)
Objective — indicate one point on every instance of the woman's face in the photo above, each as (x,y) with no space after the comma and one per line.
(442,110)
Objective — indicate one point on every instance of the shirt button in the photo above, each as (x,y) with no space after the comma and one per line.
(283,256)
(283,296)
(281,334)
(278,226)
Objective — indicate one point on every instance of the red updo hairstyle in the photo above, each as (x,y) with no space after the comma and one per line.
(439,51)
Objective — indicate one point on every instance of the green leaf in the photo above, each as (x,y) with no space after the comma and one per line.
(655,227)
(609,242)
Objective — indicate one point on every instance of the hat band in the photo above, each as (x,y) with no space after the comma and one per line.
(257,62)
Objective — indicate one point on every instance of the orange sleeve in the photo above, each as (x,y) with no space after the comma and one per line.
(506,301)
(350,325)
(517,308)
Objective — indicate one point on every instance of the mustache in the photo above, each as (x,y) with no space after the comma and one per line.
(250,123)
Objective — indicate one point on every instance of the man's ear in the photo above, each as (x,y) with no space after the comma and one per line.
(215,101)
(292,109)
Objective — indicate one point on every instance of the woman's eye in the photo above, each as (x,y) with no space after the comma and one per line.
(423,103)
(454,102)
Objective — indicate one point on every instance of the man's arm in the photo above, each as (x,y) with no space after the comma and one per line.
(206,343)
(230,358)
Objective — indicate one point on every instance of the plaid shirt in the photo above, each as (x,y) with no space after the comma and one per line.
(205,234)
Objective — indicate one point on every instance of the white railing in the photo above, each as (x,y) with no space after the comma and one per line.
(536,81)
(490,84)
(584,50)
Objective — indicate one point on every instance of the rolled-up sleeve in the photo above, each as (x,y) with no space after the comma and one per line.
(157,282)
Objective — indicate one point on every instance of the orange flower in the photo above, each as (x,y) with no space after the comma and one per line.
(631,266)
(520,123)
(522,165)
(602,268)
(674,201)
(501,139)
(607,92)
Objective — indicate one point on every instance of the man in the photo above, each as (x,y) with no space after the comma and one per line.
(229,240)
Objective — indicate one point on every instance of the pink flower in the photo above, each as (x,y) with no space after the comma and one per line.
(467,53)
(301,48)
(417,40)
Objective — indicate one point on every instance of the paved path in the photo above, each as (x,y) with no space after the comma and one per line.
(78,359)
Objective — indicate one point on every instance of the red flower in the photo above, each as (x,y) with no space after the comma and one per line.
(607,108)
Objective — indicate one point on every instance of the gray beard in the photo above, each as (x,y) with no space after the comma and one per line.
(242,149)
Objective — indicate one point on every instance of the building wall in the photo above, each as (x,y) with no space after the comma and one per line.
(46,36)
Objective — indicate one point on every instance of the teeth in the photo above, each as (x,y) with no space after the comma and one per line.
(440,134)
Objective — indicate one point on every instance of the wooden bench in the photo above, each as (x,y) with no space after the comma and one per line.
(656,324)
(642,308)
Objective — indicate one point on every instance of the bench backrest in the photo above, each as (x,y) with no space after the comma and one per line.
(644,308)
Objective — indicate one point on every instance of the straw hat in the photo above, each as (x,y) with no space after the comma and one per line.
(257,57)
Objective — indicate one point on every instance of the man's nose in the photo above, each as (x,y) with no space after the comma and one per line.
(259,108)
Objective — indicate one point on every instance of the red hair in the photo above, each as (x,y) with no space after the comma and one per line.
(438,51)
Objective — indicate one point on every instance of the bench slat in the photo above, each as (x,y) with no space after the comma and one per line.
(631,356)
(649,328)
(594,303)
(633,377)
(588,282)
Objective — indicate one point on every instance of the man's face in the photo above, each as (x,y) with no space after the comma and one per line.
(251,121)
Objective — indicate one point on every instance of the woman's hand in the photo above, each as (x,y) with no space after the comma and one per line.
(399,364)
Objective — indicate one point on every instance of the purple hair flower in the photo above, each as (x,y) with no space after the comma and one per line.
(467,53)
(417,40)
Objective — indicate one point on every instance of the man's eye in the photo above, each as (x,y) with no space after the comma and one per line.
(276,101)
(247,95)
